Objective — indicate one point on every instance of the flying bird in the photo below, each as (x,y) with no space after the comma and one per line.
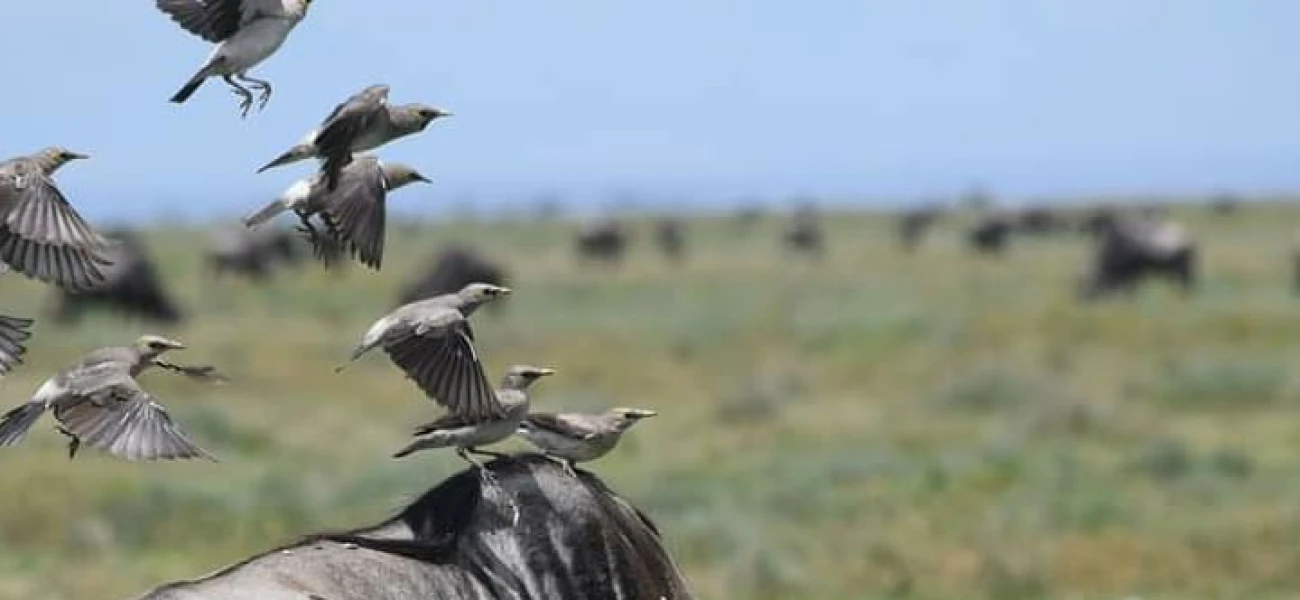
(466,433)
(246,32)
(431,341)
(362,122)
(99,403)
(354,214)
(577,437)
(41,234)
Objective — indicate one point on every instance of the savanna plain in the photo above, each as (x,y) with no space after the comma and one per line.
(871,425)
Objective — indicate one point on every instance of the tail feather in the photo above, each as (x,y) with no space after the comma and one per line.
(294,154)
(15,423)
(433,440)
(191,86)
(264,214)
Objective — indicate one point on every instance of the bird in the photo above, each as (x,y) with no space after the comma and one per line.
(432,342)
(41,235)
(13,332)
(246,32)
(354,214)
(467,433)
(99,403)
(577,437)
(362,122)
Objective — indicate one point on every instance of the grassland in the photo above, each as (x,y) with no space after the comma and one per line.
(873,426)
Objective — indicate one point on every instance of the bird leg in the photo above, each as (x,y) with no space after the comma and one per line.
(263,88)
(74,442)
(245,96)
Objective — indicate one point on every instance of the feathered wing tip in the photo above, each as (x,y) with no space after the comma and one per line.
(15,423)
(13,332)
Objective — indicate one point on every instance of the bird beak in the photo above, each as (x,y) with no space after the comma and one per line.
(504,291)
(419,177)
(545,372)
(642,413)
(76,155)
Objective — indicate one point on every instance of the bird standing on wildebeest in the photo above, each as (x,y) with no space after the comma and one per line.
(98,402)
(432,342)
(246,32)
(466,434)
(355,214)
(576,437)
(363,122)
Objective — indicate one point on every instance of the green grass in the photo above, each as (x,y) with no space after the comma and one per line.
(874,426)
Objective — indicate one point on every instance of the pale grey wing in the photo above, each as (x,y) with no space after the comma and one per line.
(124,420)
(572,426)
(13,332)
(212,20)
(43,236)
(447,369)
(359,210)
(363,112)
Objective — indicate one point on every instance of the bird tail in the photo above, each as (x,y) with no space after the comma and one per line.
(435,439)
(264,214)
(294,154)
(191,86)
(15,423)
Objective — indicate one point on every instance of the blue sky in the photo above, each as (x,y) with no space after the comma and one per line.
(692,101)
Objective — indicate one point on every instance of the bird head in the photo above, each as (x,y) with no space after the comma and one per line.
(153,345)
(519,377)
(479,293)
(398,175)
(627,417)
(425,114)
(63,154)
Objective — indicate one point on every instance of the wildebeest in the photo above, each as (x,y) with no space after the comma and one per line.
(989,234)
(570,538)
(131,287)
(1134,248)
(913,224)
(604,241)
(804,235)
(1039,220)
(253,253)
(670,236)
(453,268)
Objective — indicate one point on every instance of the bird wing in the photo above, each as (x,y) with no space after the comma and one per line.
(447,369)
(362,112)
(212,20)
(42,236)
(121,418)
(13,332)
(358,207)
(573,426)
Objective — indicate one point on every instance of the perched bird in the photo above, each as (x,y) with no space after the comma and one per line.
(431,341)
(362,122)
(467,433)
(41,234)
(354,214)
(246,32)
(98,402)
(575,437)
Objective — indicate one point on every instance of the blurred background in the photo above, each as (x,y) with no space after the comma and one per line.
(936,299)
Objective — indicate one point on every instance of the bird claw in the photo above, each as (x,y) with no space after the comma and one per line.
(264,97)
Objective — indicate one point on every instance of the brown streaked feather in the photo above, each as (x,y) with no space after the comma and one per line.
(559,424)
(13,332)
(212,20)
(447,369)
(358,206)
(125,421)
(43,236)
(357,114)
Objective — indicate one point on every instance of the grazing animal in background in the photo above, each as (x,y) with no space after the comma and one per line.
(355,214)
(803,235)
(572,540)
(449,271)
(578,437)
(602,241)
(914,224)
(670,235)
(131,287)
(1039,220)
(252,253)
(98,402)
(1098,220)
(990,233)
(1135,248)
(246,32)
